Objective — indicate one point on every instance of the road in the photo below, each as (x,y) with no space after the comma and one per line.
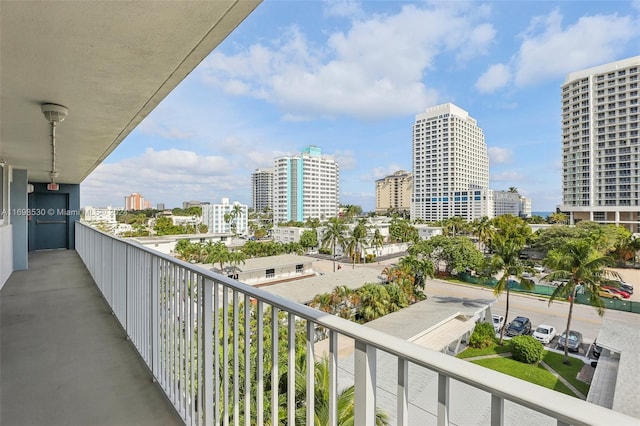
(584,319)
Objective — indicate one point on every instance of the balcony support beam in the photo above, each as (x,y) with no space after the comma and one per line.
(497,411)
(443,400)
(365,384)
(403,392)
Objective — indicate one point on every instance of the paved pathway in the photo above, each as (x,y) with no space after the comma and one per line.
(544,364)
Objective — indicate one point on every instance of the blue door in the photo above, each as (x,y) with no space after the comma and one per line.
(52,221)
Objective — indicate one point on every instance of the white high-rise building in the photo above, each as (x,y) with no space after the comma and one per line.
(226,217)
(507,202)
(600,167)
(262,189)
(450,166)
(305,186)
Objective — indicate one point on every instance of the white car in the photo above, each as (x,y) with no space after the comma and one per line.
(545,333)
(498,322)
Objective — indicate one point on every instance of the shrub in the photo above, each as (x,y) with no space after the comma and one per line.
(482,336)
(527,349)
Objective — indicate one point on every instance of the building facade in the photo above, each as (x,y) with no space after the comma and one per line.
(226,217)
(99,214)
(136,201)
(394,192)
(262,189)
(450,165)
(600,168)
(507,202)
(305,186)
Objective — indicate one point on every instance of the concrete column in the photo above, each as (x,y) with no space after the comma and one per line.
(18,209)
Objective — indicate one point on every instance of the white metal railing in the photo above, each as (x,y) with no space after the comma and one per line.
(190,327)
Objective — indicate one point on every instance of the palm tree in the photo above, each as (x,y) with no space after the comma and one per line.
(580,264)
(454,225)
(356,241)
(217,253)
(377,241)
(513,190)
(483,229)
(345,398)
(236,211)
(559,218)
(506,258)
(374,301)
(334,235)
(236,257)
(420,269)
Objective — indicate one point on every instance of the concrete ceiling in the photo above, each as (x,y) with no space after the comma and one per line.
(110,63)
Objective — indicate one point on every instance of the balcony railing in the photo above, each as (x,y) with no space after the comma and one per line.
(209,342)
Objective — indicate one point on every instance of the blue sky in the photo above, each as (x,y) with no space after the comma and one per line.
(350,77)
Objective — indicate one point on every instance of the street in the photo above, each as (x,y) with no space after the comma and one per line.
(585,318)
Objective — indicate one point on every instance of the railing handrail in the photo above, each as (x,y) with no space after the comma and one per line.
(565,408)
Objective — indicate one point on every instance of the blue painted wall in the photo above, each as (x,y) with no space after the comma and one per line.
(73,191)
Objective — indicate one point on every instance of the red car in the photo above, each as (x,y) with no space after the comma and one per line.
(621,292)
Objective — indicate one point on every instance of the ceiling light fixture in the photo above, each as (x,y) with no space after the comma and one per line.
(54,114)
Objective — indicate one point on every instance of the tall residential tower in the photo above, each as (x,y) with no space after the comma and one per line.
(450,165)
(394,192)
(305,186)
(600,169)
(262,189)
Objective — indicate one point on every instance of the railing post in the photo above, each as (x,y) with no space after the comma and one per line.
(207,345)
(497,411)
(155,319)
(403,392)
(311,370)
(333,378)
(365,384)
(443,400)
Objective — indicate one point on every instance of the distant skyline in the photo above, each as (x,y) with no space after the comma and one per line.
(350,77)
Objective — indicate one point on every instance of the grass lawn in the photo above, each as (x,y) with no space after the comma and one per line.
(569,372)
(531,373)
(495,348)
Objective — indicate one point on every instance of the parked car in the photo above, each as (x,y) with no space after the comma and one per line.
(596,349)
(572,343)
(608,293)
(620,291)
(545,333)
(617,284)
(520,326)
(498,322)
(539,269)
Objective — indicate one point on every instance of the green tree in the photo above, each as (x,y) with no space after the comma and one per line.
(506,260)
(483,229)
(374,302)
(454,225)
(419,268)
(580,264)
(449,254)
(333,236)
(236,257)
(217,253)
(377,240)
(309,239)
(559,218)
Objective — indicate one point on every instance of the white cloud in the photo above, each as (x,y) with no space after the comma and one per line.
(496,77)
(374,69)
(341,8)
(499,155)
(161,176)
(381,172)
(550,50)
(346,159)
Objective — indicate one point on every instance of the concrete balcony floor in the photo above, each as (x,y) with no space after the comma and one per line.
(64,359)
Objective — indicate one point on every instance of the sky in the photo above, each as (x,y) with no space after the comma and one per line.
(350,77)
